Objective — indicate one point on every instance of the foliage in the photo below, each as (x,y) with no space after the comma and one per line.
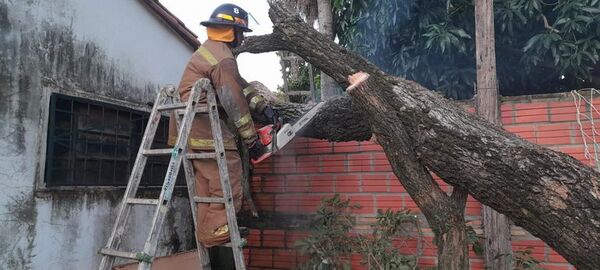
(540,46)
(524,261)
(475,241)
(378,251)
(331,241)
(328,246)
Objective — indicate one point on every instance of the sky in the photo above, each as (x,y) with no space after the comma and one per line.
(263,67)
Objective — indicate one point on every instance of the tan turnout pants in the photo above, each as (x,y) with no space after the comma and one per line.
(208,184)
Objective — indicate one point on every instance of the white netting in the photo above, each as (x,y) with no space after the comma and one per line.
(586,112)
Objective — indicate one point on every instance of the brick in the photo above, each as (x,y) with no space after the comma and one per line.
(370,147)
(365,201)
(346,147)
(256,184)
(264,202)
(556,259)
(263,168)
(273,238)
(507,119)
(530,106)
(284,258)
(261,257)
(394,184)
(359,165)
(410,204)
(347,183)
(473,208)
(374,183)
(273,183)
(293,236)
(321,183)
(554,141)
(427,262)
(531,112)
(523,131)
(297,183)
(506,107)
(254,238)
(310,203)
(287,202)
(320,150)
(531,118)
(333,166)
(477,264)
(393,202)
(576,151)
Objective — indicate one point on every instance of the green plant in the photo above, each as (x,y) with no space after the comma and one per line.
(328,246)
(475,241)
(378,251)
(331,240)
(524,260)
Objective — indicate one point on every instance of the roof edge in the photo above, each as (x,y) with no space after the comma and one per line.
(173,22)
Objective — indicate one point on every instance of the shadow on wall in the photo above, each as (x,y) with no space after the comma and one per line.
(17,244)
(50,54)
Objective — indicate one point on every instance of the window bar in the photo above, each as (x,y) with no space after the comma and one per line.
(50,141)
(116,145)
(73,145)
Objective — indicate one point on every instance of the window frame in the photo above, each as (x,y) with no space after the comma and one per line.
(47,92)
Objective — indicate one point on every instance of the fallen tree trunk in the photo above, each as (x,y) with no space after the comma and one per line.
(552,195)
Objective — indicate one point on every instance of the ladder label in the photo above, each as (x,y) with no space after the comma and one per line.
(167,190)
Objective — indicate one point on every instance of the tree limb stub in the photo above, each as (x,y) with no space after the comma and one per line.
(552,195)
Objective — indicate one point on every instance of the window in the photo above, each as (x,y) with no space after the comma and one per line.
(91,143)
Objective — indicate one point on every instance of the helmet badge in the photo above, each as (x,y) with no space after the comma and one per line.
(236,10)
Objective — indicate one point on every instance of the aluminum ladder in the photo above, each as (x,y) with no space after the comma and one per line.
(168,100)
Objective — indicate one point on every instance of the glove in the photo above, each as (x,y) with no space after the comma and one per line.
(273,117)
(257,150)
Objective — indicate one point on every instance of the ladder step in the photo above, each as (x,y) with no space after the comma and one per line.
(142,201)
(199,109)
(209,200)
(173,106)
(243,243)
(157,152)
(202,156)
(140,256)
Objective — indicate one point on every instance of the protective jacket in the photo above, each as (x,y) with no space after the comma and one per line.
(214,60)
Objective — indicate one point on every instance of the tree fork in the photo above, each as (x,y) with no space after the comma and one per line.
(552,195)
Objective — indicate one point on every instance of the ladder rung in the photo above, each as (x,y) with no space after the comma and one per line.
(202,156)
(209,200)
(243,243)
(173,106)
(158,152)
(128,255)
(142,201)
(199,109)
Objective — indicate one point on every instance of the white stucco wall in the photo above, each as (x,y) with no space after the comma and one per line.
(110,49)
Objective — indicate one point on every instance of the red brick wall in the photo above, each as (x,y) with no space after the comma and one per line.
(295,180)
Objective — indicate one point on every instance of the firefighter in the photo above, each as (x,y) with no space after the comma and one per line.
(240,102)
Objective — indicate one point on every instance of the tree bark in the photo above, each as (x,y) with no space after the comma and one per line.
(328,85)
(550,194)
(496,227)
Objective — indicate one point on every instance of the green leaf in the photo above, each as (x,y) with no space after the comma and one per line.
(591,9)
(531,42)
(461,33)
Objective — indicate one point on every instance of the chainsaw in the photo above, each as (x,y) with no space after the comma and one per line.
(274,138)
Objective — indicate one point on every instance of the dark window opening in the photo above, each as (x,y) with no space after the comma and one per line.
(92,143)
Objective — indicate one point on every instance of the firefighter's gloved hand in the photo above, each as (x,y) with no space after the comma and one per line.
(257,150)
(273,117)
